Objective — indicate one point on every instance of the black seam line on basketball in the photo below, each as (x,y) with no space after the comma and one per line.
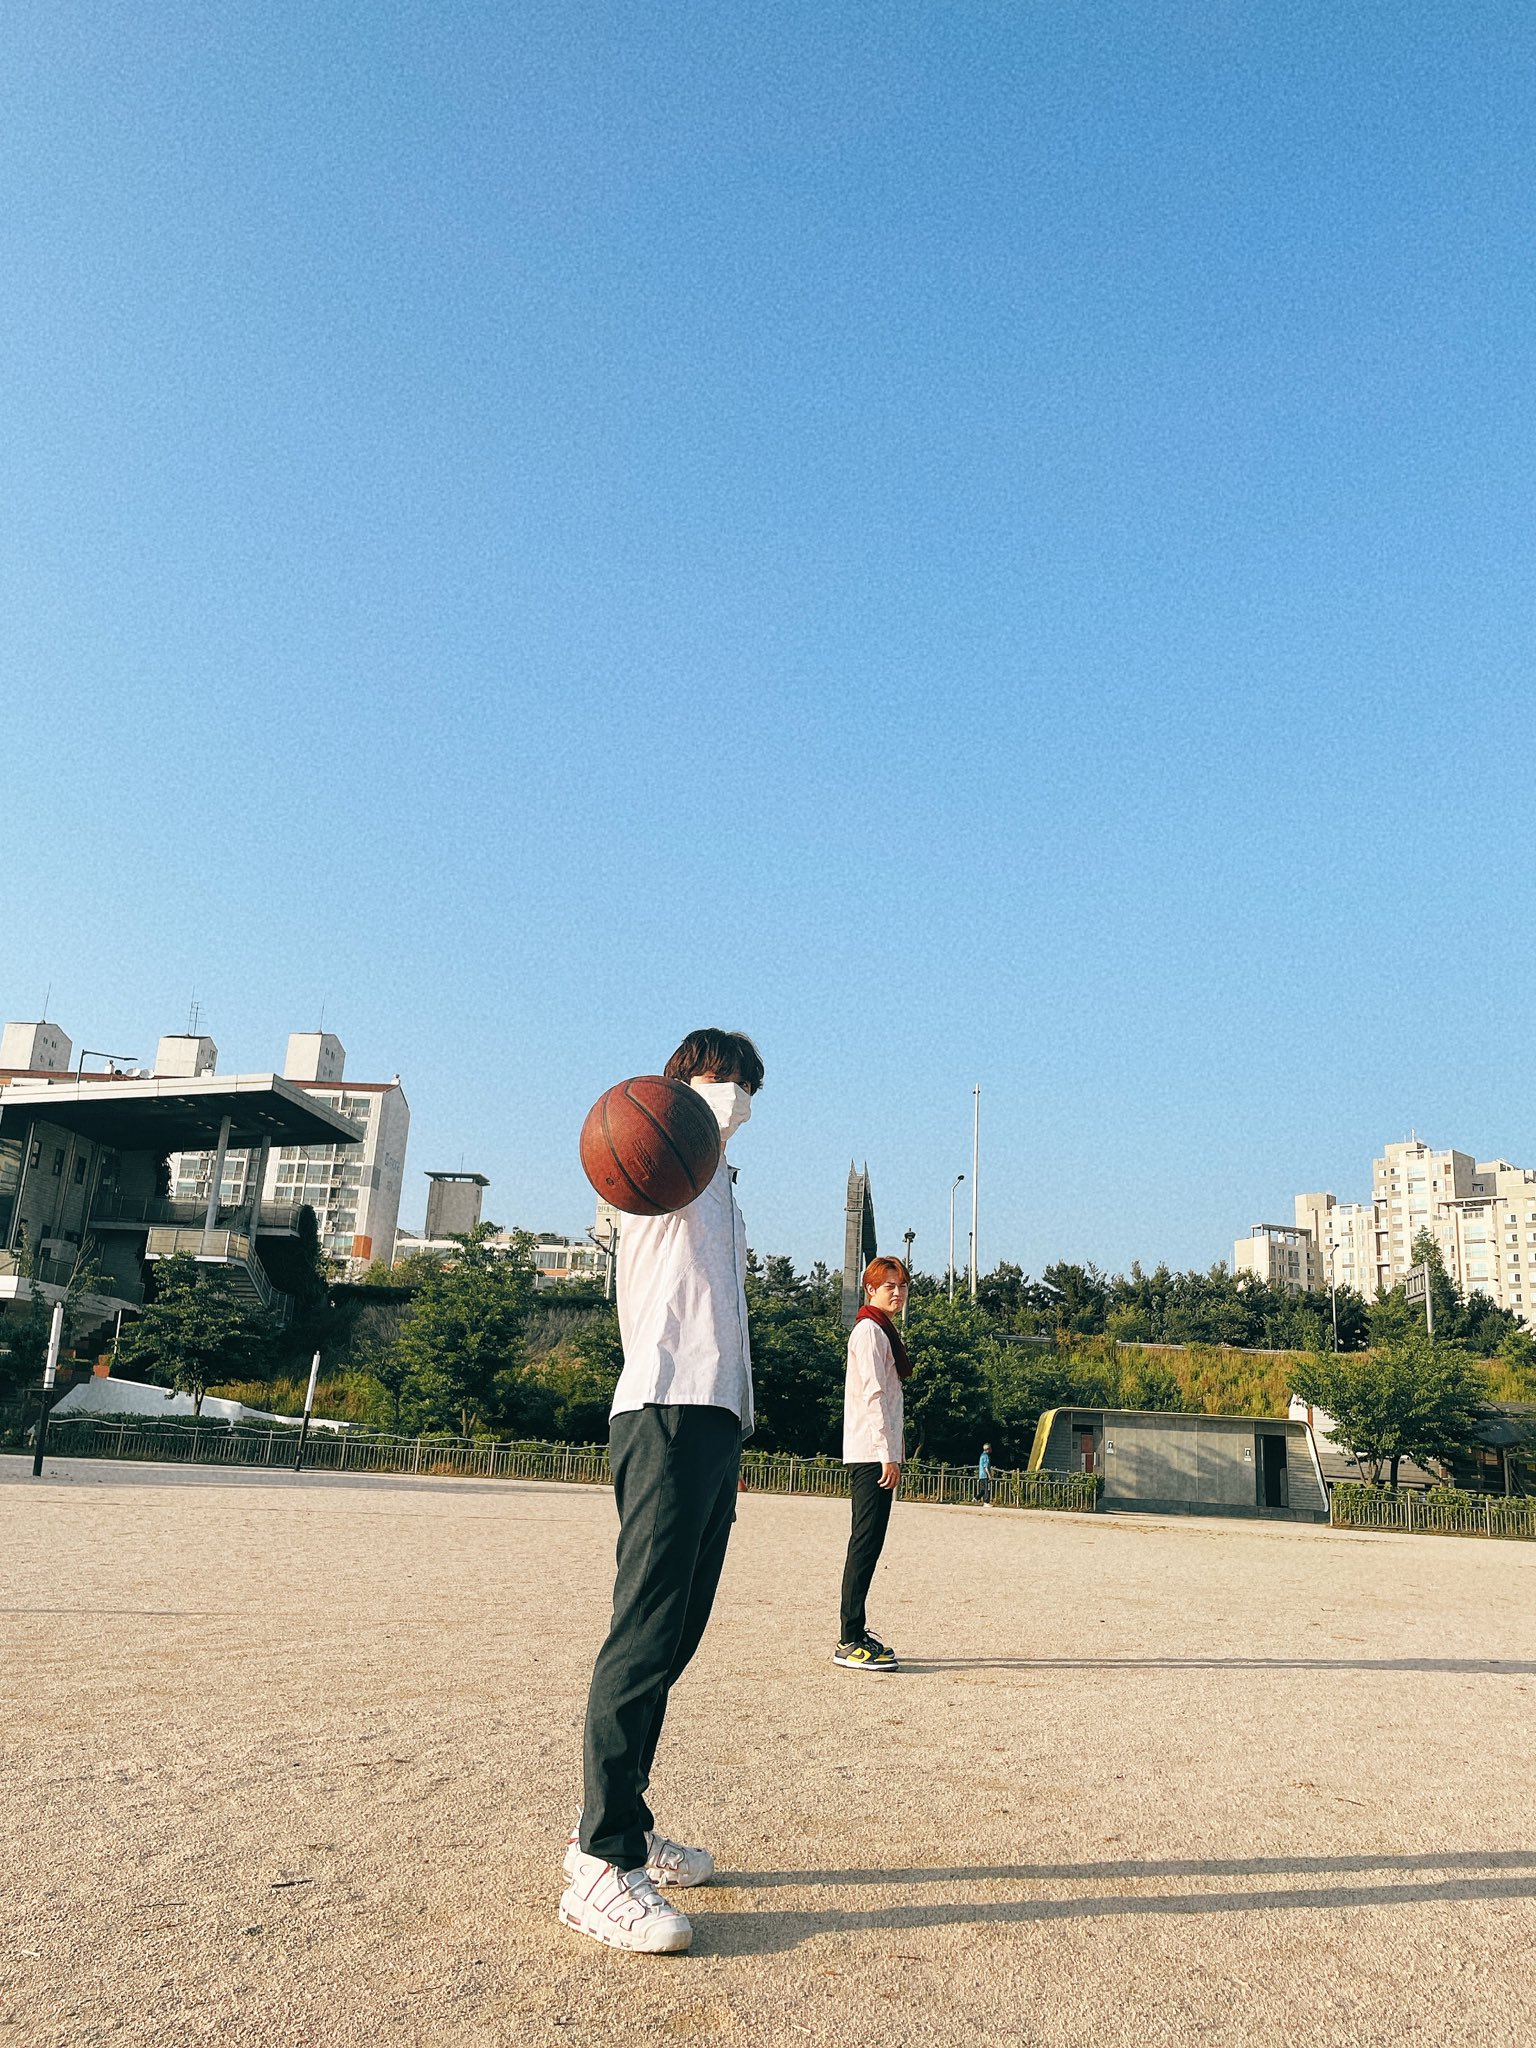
(665,1136)
(614,1156)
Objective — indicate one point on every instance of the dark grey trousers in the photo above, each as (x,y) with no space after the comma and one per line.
(866,1540)
(674,1482)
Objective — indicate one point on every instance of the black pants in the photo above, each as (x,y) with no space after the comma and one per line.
(866,1540)
(674,1482)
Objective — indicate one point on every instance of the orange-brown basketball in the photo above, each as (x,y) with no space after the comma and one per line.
(650,1145)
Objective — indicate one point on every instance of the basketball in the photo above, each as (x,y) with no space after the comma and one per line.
(650,1145)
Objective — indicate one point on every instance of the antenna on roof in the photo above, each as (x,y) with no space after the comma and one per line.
(194,1013)
(47,992)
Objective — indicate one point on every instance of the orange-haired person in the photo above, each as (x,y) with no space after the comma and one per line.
(873,1452)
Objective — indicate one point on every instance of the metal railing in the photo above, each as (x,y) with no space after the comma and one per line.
(277,1218)
(52,1272)
(230,1247)
(1416,1512)
(216,1443)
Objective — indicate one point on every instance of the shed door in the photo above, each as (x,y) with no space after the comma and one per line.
(1272,1450)
(1086,1451)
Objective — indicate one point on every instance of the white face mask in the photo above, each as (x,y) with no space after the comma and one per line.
(730,1102)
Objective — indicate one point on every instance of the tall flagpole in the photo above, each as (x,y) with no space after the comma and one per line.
(975,1176)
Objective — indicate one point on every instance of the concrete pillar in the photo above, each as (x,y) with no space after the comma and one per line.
(211,1215)
(256,1163)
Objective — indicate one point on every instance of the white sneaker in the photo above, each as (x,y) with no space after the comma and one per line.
(665,1862)
(622,1908)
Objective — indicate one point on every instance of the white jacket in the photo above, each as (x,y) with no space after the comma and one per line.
(683,1306)
(872,1399)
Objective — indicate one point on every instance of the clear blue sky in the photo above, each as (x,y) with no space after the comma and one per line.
(977,542)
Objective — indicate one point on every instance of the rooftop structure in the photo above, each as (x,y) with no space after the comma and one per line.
(453,1203)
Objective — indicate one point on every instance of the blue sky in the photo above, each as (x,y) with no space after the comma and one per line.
(980,543)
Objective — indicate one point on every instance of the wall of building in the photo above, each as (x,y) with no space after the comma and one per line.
(1161,1463)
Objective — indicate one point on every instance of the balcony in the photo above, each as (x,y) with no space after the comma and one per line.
(51,1272)
(112,1212)
(21,1275)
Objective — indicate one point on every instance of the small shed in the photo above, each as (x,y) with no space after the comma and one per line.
(1163,1462)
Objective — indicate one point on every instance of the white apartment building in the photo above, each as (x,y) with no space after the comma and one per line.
(354,1190)
(1481,1212)
(1344,1234)
(1279,1254)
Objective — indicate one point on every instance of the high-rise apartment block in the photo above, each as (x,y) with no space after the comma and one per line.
(1344,1237)
(354,1189)
(1480,1212)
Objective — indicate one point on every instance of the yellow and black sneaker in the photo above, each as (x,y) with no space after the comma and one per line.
(867,1654)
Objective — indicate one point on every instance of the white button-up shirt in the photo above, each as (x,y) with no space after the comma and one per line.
(683,1306)
(872,1399)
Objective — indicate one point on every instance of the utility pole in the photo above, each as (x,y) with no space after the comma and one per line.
(953,1185)
(975,1178)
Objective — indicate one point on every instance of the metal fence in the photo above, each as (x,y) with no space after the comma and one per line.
(483,1458)
(1485,1514)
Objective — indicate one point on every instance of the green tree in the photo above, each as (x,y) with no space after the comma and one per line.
(579,1373)
(799,1353)
(948,1402)
(461,1340)
(195,1332)
(1413,1398)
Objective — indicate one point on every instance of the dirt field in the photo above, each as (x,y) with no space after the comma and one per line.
(293,1763)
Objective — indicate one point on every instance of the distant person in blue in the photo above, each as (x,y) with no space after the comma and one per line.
(984,1476)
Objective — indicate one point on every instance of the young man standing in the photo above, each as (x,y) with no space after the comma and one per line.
(873,1450)
(680,1411)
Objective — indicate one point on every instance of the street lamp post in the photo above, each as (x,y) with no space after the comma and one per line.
(954,1184)
(975,1179)
(906,1238)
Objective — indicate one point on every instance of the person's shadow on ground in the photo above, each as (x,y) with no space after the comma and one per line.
(1474,1874)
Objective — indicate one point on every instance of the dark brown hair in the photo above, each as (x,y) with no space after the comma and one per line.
(728,1055)
(878,1271)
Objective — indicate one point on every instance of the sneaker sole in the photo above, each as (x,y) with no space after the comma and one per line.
(574,1917)
(847,1664)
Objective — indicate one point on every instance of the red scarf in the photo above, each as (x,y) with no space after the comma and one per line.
(898,1349)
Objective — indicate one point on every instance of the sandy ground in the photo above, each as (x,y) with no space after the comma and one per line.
(292,1762)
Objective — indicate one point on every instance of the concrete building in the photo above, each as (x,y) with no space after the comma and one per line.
(1480,1212)
(1344,1240)
(1280,1255)
(553,1258)
(453,1203)
(353,1187)
(565,1258)
(34,1049)
(1168,1463)
(82,1180)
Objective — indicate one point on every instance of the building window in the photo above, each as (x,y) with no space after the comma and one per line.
(79,1172)
(58,1163)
